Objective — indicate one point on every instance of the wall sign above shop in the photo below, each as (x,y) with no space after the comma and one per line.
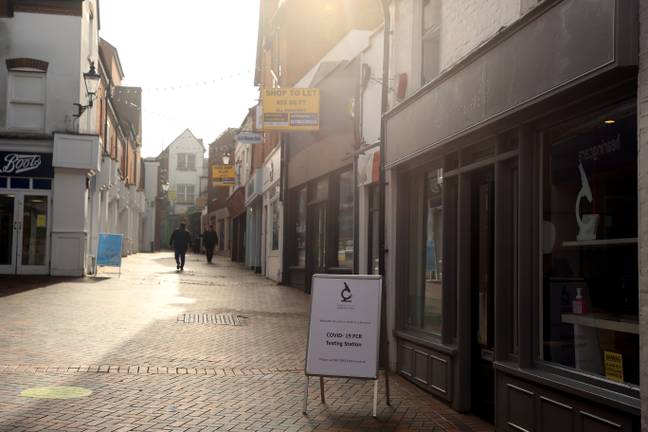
(26,164)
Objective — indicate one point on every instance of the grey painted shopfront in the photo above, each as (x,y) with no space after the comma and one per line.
(515,176)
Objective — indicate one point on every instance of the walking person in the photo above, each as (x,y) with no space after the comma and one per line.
(210,240)
(180,241)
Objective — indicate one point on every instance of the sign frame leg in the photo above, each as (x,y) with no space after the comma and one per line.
(322,390)
(375,399)
(305,406)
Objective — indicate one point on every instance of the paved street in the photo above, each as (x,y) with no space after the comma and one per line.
(131,341)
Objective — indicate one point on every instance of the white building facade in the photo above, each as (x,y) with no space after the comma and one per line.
(47,154)
(186,158)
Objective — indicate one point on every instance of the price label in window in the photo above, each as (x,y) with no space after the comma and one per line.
(613,366)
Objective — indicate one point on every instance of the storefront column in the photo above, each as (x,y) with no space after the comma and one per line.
(525,249)
(642,144)
(462,397)
(68,222)
(502,286)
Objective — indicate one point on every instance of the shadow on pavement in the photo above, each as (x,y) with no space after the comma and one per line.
(11,285)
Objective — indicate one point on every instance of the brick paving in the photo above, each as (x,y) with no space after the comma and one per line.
(148,371)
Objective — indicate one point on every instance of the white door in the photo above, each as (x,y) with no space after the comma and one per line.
(24,233)
(34,233)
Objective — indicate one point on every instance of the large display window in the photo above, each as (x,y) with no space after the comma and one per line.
(425,299)
(589,242)
(345,221)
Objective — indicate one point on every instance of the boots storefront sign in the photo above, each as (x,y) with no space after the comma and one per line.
(20,164)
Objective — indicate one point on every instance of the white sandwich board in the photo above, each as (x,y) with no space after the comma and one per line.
(344,330)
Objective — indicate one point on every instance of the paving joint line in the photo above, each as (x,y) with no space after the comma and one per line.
(145,370)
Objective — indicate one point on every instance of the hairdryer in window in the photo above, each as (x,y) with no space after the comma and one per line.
(587,223)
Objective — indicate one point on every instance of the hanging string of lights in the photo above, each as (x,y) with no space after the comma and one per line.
(186,85)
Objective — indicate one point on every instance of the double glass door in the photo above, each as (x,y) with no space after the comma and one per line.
(24,232)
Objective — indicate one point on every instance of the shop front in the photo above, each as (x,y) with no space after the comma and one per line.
(272,217)
(25,202)
(321,228)
(515,264)
(236,208)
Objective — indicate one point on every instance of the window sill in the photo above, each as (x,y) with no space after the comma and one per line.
(426,340)
(575,387)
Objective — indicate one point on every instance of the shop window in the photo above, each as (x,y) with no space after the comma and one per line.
(300,227)
(345,221)
(478,152)
(185,194)
(431,40)
(19,183)
(275,224)
(186,162)
(425,295)
(320,190)
(589,241)
(26,101)
(374,229)
(45,184)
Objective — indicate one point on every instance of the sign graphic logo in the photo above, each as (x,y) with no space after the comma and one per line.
(346,294)
(19,163)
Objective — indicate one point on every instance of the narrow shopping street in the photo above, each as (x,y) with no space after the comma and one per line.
(158,351)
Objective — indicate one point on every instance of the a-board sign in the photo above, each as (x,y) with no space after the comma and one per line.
(109,250)
(344,331)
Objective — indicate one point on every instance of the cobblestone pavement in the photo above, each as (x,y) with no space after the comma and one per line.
(125,339)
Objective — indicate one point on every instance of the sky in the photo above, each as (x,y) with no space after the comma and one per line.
(194,60)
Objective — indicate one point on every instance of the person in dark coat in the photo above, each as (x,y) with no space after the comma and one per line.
(180,241)
(210,240)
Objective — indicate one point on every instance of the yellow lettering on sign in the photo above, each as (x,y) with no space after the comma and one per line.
(613,366)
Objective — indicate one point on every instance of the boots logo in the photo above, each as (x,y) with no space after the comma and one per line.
(346,294)
(19,163)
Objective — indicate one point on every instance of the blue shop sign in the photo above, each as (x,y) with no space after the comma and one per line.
(26,164)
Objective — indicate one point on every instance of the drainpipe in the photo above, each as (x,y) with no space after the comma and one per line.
(381,221)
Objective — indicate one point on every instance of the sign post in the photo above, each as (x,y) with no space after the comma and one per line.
(109,251)
(344,330)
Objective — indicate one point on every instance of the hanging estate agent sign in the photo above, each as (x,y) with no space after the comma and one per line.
(26,164)
(223,175)
(343,338)
(291,109)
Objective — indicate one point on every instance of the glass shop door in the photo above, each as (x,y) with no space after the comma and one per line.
(24,233)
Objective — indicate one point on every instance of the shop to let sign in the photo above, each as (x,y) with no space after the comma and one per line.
(223,175)
(291,109)
(613,366)
(343,336)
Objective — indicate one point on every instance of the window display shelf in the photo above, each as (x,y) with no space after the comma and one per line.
(604,242)
(604,321)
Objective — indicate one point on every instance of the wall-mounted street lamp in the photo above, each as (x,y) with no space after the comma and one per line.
(226,159)
(91,80)
(165,187)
